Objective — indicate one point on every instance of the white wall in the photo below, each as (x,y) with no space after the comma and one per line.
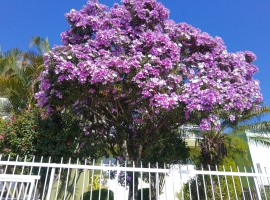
(260,153)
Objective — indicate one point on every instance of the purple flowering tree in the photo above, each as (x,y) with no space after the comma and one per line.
(132,75)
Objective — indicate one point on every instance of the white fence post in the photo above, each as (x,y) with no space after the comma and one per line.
(257,188)
(50,184)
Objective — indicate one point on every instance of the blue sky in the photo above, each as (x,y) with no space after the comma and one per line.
(243,24)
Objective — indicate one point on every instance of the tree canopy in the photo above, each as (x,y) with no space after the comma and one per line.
(132,76)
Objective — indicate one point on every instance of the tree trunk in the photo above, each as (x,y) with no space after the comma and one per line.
(133,187)
(134,182)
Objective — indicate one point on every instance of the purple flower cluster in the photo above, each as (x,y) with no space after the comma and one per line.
(134,53)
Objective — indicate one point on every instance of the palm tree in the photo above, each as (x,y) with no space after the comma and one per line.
(213,146)
(19,72)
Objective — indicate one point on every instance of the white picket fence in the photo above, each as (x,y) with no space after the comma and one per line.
(42,179)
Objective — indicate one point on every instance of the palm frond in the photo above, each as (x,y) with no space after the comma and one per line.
(14,52)
(19,72)
(13,84)
(260,139)
(41,44)
(7,60)
(15,91)
(254,115)
(259,128)
(3,65)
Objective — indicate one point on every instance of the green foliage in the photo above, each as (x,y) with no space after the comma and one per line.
(170,149)
(218,186)
(145,194)
(265,192)
(95,184)
(34,133)
(41,44)
(18,77)
(229,164)
(253,122)
(213,148)
(19,72)
(95,195)
(214,145)
(216,148)
(2,123)
(236,147)
(178,195)
(17,135)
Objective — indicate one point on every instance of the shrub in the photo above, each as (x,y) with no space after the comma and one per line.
(35,133)
(225,186)
(145,194)
(95,195)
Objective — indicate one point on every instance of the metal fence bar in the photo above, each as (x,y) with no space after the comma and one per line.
(100,176)
(181,183)
(17,183)
(141,184)
(248,184)
(58,180)
(256,186)
(204,185)
(227,187)
(235,192)
(31,190)
(149,179)
(50,184)
(220,191)
(157,184)
(46,178)
(165,185)
(117,178)
(197,187)
(92,180)
(26,189)
(243,194)
(75,181)
(65,195)
(211,182)
(153,170)
(31,171)
(84,179)
(125,179)
(133,179)
(109,176)
(13,171)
